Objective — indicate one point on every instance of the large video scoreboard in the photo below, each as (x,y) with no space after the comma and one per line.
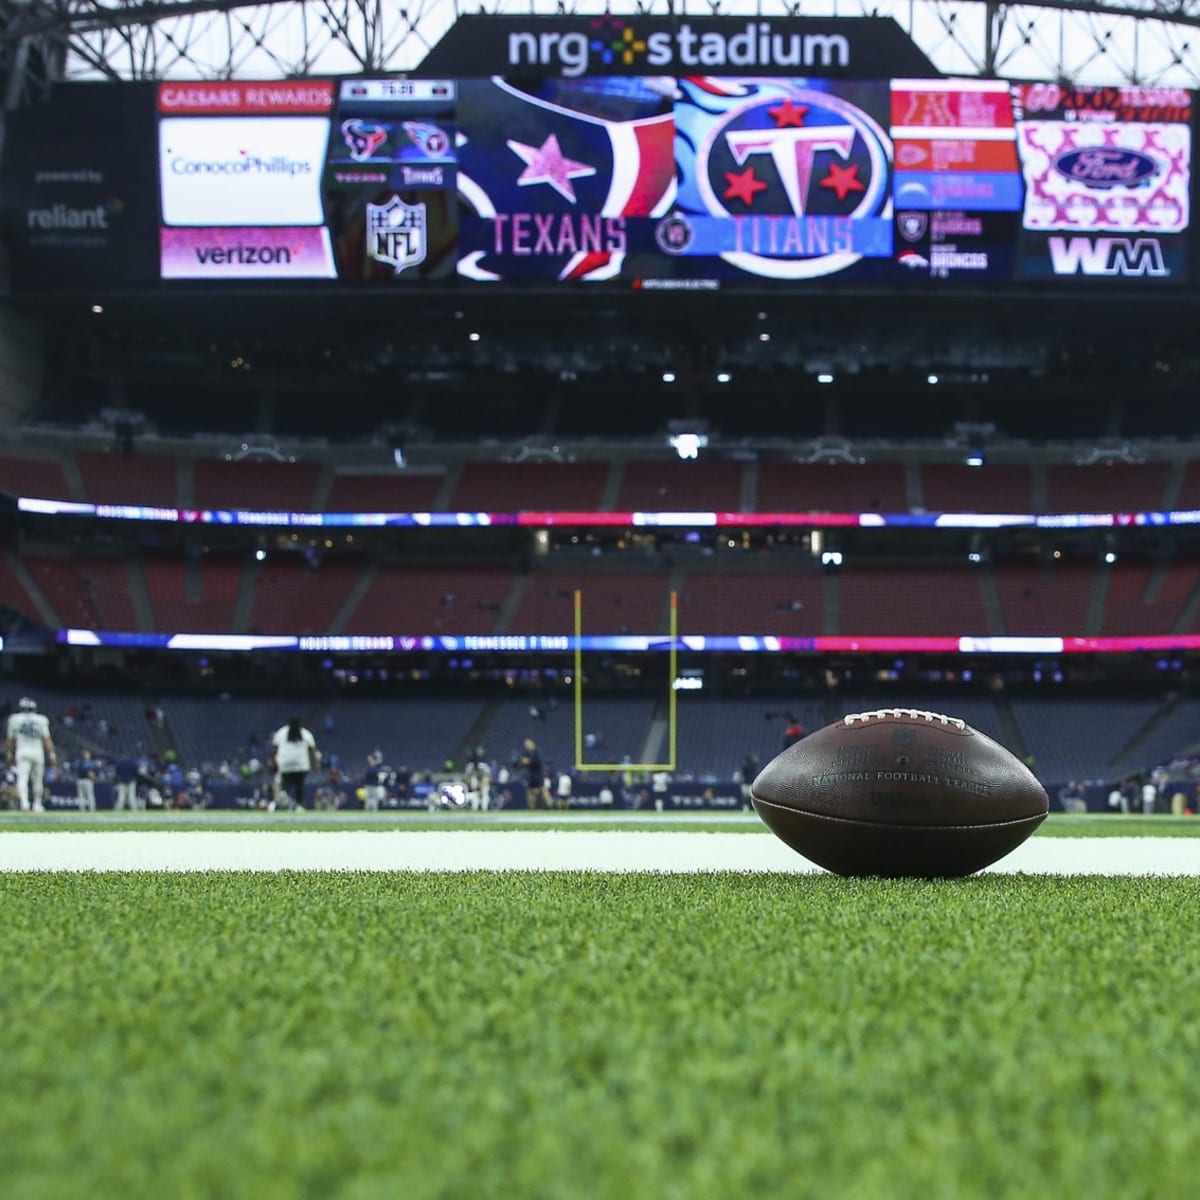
(632,182)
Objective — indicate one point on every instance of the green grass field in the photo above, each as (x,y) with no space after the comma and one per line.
(1057,825)
(560,1036)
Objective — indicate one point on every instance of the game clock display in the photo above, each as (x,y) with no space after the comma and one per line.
(665,182)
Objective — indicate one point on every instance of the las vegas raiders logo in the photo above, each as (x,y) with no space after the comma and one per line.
(912,225)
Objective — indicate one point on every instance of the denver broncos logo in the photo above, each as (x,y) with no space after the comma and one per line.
(362,140)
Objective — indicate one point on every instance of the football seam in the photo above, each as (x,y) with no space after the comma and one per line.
(808,812)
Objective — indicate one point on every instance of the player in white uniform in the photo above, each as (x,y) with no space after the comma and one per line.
(30,747)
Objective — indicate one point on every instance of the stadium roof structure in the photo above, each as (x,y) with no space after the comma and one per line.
(1108,42)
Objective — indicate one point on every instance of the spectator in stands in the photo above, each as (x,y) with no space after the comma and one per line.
(1149,797)
(85,782)
(478,778)
(747,773)
(1072,798)
(537,794)
(30,749)
(793,733)
(126,774)
(293,754)
(564,787)
(660,786)
(1118,799)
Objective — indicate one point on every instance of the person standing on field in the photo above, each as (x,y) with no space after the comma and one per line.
(30,748)
(293,754)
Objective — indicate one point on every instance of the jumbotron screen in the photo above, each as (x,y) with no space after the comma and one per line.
(630,182)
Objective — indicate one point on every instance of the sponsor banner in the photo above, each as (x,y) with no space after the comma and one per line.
(1062,102)
(241,170)
(963,246)
(570,47)
(975,104)
(235,98)
(967,153)
(974,191)
(749,150)
(247,253)
(1073,256)
(1103,176)
(78,194)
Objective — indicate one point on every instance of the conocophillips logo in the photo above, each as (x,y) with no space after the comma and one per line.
(244,164)
(614,41)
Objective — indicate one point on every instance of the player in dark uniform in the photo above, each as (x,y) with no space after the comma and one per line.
(536,792)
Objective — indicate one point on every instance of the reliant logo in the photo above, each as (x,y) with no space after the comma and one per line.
(61,216)
(755,45)
(1107,256)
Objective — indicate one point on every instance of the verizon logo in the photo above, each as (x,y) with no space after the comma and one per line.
(1107,256)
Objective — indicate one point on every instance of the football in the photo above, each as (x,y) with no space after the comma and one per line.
(899,792)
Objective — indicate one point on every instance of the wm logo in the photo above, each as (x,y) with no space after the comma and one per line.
(1107,256)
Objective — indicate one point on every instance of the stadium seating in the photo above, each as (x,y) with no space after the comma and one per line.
(1120,487)
(752,602)
(393,492)
(540,486)
(149,479)
(1145,598)
(712,486)
(911,600)
(86,593)
(271,486)
(413,600)
(193,596)
(953,487)
(716,734)
(1045,600)
(33,475)
(291,597)
(840,487)
(613,602)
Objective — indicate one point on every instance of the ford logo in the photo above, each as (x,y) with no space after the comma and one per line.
(1106,166)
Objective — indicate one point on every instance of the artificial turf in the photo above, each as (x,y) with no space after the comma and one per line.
(1057,825)
(563,1035)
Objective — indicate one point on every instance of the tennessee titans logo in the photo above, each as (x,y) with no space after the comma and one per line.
(362,139)
(802,172)
(431,141)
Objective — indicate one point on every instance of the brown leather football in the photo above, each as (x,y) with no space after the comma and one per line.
(900,792)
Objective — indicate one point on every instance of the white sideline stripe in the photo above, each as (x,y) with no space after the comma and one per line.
(185,850)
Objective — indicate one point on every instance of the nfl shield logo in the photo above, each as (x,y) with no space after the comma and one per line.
(396,234)
(912,225)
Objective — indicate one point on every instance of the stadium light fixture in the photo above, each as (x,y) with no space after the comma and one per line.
(975,459)
(824,377)
(688,445)
(1110,557)
(831,558)
(97,309)
(723,377)
(668,377)
(473,336)
(932,379)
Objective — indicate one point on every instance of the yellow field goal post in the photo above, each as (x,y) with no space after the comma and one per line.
(672,698)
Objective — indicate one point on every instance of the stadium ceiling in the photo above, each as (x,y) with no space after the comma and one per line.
(1146,42)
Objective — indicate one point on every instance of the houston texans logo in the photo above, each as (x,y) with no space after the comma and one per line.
(362,140)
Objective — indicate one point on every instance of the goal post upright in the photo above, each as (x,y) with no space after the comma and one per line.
(672,698)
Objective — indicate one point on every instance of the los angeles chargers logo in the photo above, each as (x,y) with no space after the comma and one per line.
(802,173)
